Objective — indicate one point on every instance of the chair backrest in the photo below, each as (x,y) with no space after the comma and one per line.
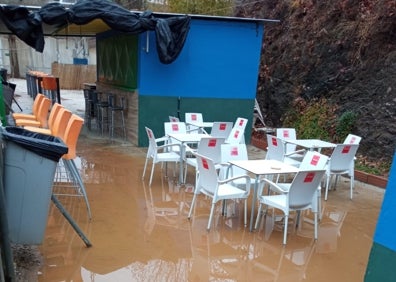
(233,152)
(313,160)
(174,119)
(61,121)
(49,83)
(193,117)
(352,139)
(210,147)
(208,177)
(152,148)
(303,188)
(241,123)
(287,134)
(37,102)
(275,149)
(175,127)
(236,136)
(54,112)
(221,129)
(42,115)
(71,135)
(342,156)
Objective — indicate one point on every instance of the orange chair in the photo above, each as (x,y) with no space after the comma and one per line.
(36,104)
(56,123)
(41,117)
(70,138)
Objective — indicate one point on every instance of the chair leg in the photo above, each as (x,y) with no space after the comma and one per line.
(152,173)
(211,215)
(144,169)
(192,205)
(245,213)
(123,124)
(327,186)
(258,216)
(285,229)
(351,184)
(73,170)
(316,225)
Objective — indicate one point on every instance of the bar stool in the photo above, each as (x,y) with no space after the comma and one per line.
(88,107)
(113,110)
(102,109)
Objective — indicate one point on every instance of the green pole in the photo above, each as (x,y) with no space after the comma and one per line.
(2,107)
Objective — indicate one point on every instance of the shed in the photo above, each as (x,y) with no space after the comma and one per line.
(215,72)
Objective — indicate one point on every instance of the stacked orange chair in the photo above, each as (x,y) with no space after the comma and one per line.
(40,118)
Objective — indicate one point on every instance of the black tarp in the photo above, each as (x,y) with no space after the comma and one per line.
(171,32)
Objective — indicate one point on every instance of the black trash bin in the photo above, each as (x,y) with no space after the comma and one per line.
(30,161)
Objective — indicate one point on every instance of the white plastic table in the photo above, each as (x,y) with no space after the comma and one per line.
(186,138)
(311,144)
(261,168)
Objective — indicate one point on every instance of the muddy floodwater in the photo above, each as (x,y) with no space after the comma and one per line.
(140,233)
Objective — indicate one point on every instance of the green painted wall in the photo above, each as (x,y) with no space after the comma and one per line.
(381,267)
(117,62)
(155,110)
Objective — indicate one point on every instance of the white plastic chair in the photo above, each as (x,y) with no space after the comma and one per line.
(174,128)
(290,134)
(210,185)
(314,160)
(191,118)
(340,163)
(237,134)
(174,119)
(352,139)
(276,151)
(158,154)
(221,129)
(209,147)
(232,152)
(295,196)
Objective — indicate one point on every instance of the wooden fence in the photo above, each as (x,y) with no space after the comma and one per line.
(74,76)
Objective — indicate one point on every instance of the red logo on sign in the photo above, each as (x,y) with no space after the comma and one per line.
(241,122)
(234,151)
(286,133)
(353,139)
(236,134)
(205,164)
(274,141)
(175,127)
(346,149)
(223,126)
(315,160)
(193,117)
(212,143)
(309,177)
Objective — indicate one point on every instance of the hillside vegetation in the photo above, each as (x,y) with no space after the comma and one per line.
(339,56)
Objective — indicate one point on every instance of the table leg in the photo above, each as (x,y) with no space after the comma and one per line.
(254,197)
(182,152)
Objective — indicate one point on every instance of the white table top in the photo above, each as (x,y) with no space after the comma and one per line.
(263,167)
(186,137)
(200,124)
(311,143)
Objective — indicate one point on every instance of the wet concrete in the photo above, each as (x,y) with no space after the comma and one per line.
(140,233)
(143,234)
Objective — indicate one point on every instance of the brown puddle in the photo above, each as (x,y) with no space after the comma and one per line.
(143,234)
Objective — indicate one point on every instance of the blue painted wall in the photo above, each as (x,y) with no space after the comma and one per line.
(216,74)
(220,59)
(382,259)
